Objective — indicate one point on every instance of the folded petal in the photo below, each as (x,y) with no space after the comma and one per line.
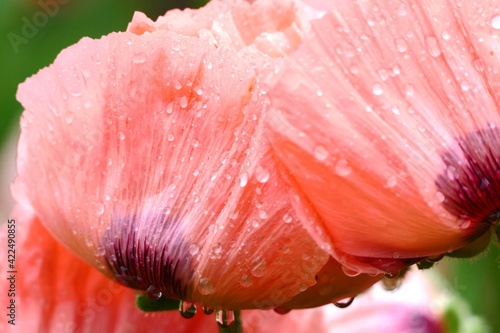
(145,155)
(387,119)
(58,292)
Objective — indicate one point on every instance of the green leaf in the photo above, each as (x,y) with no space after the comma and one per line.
(147,304)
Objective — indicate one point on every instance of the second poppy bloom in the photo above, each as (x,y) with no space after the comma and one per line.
(387,116)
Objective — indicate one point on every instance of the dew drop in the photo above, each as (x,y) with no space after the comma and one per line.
(320,153)
(207,310)
(342,168)
(263,214)
(199,92)
(350,272)
(435,259)
(451,173)
(287,218)
(187,309)
(495,22)
(255,224)
(465,85)
(139,58)
(153,293)
(391,276)
(401,45)
(281,311)
(170,108)
(262,174)
(224,318)
(344,303)
(396,255)
(258,267)
(121,135)
(205,287)
(433,47)
(193,249)
(445,35)
(377,89)
(439,197)
(243,179)
(217,248)
(177,85)
(391,182)
(245,281)
(170,137)
(465,223)
(183,102)
(391,284)
(99,209)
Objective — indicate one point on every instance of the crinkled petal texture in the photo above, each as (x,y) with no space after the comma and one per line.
(58,292)
(387,116)
(273,27)
(151,165)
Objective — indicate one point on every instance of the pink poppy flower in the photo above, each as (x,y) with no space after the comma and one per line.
(387,117)
(58,292)
(144,153)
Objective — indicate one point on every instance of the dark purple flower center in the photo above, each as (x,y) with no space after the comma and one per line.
(145,258)
(470,183)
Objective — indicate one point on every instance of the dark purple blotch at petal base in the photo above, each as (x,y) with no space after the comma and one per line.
(144,255)
(470,183)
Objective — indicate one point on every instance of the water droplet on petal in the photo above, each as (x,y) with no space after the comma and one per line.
(99,209)
(245,281)
(435,258)
(139,58)
(224,318)
(391,284)
(391,181)
(287,218)
(183,102)
(281,311)
(401,45)
(344,303)
(262,174)
(258,267)
(207,310)
(205,287)
(153,293)
(495,22)
(342,168)
(393,275)
(121,135)
(465,85)
(377,89)
(445,35)
(217,248)
(170,137)
(320,153)
(350,272)
(193,249)
(187,309)
(243,179)
(170,108)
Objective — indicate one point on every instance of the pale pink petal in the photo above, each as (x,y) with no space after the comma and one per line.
(386,124)
(151,165)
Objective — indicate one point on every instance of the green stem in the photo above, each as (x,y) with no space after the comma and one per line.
(236,327)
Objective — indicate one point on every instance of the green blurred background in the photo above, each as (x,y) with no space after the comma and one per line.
(477,280)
